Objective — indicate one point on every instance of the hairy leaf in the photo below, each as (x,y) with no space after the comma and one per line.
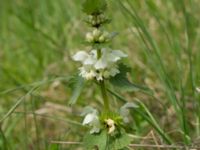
(96,140)
(121,81)
(119,141)
(94,6)
(77,84)
(103,141)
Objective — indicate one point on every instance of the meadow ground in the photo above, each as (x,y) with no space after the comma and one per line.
(37,40)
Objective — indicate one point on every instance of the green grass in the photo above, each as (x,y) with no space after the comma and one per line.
(37,40)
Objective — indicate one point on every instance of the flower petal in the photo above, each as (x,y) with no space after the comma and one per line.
(101,64)
(88,119)
(80,56)
(88,110)
(89,61)
(119,53)
(116,55)
(96,126)
(124,110)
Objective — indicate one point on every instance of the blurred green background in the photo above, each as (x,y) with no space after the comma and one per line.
(37,40)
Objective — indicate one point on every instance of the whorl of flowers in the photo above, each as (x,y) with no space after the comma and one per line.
(99,63)
(99,68)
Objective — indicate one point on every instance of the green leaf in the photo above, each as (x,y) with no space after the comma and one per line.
(103,141)
(119,141)
(121,81)
(94,6)
(95,140)
(77,84)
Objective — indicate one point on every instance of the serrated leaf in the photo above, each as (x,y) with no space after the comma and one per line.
(94,6)
(121,81)
(77,84)
(95,140)
(120,141)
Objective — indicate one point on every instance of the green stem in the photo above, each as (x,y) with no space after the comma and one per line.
(98,53)
(103,88)
(105,97)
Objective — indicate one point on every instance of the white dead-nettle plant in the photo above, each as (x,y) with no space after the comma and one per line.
(102,65)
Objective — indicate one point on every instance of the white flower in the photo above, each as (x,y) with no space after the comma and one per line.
(110,125)
(80,56)
(198,89)
(91,119)
(108,58)
(85,58)
(101,68)
(124,111)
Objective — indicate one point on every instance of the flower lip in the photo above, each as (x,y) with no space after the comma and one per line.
(80,56)
(117,55)
(108,58)
(110,125)
(91,119)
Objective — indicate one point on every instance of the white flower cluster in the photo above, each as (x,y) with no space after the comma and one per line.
(99,68)
(92,118)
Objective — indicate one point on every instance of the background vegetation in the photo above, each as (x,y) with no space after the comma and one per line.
(37,40)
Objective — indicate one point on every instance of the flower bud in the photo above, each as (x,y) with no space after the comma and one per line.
(90,17)
(101,18)
(101,38)
(89,37)
(106,74)
(106,36)
(98,21)
(96,33)
(93,22)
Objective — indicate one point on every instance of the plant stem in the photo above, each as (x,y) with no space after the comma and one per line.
(98,53)
(105,97)
(103,88)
